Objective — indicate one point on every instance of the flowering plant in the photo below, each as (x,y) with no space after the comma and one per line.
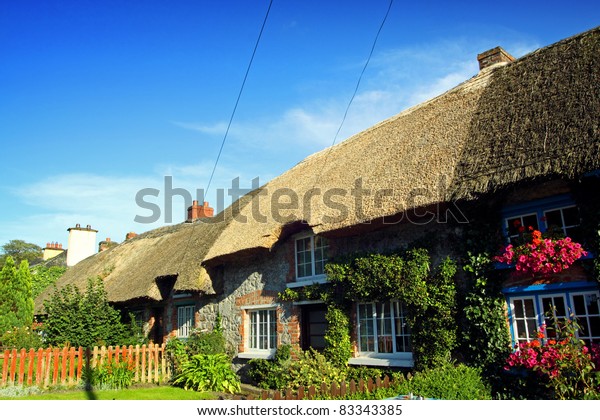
(569,367)
(542,255)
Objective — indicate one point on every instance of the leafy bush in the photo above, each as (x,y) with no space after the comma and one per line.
(212,342)
(271,374)
(177,354)
(109,375)
(208,372)
(22,338)
(84,319)
(312,368)
(448,382)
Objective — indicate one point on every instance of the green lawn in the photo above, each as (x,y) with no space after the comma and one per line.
(149,393)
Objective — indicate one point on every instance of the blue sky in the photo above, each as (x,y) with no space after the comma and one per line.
(101,99)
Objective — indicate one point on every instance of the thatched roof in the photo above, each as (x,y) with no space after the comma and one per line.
(535,117)
(539,117)
(135,268)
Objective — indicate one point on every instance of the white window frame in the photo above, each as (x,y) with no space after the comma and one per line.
(185,320)
(312,277)
(251,351)
(562,218)
(375,328)
(530,335)
(586,316)
(568,299)
(520,217)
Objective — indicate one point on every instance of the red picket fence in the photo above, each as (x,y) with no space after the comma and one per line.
(335,390)
(55,366)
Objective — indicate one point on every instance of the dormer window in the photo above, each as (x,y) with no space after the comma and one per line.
(311,256)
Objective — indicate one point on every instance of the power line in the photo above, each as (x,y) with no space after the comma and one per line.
(362,72)
(238,99)
(318,176)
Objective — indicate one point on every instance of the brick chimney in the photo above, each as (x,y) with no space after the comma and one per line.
(130,235)
(51,250)
(104,245)
(196,211)
(494,56)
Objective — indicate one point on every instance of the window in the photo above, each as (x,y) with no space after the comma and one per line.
(185,321)
(263,329)
(554,215)
(564,221)
(525,319)
(311,256)
(529,312)
(314,326)
(382,328)
(586,307)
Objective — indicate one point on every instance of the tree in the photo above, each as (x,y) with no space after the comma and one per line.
(84,319)
(16,301)
(20,250)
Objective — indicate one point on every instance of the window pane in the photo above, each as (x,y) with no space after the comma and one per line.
(571,216)
(554,220)
(402,330)
(530,221)
(272,329)
(513,226)
(518,304)
(303,257)
(579,305)
(529,308)
(366,336)
(320,254)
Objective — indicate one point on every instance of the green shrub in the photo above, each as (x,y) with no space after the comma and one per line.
(22,338)
(448,382)
(312,368)
(109,375)
(212,342)
(208,372)
(84,319)
(271,374)
(177,354)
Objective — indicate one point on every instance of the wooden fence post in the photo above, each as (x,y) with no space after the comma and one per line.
(143,368)
(5,361)
(31,363)
(79,363)
(39,372)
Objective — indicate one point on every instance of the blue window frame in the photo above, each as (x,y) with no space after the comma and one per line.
(557,214)
(531,306)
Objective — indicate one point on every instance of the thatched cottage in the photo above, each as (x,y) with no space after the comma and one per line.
(517,144)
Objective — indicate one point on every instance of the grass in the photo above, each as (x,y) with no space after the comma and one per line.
(145,393)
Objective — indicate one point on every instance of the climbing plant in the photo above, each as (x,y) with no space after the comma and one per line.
(407,277)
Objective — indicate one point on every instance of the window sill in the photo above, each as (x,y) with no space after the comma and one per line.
(381,361)
(256,354)
(307,281)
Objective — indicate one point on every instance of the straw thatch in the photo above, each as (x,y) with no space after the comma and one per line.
(539,117)
(535,117)
(135,268)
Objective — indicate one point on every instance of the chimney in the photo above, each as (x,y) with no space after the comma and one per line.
(104,245)
(494,56)
(130,235)
(196,211)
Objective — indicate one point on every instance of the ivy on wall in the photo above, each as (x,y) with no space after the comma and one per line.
(429,296)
